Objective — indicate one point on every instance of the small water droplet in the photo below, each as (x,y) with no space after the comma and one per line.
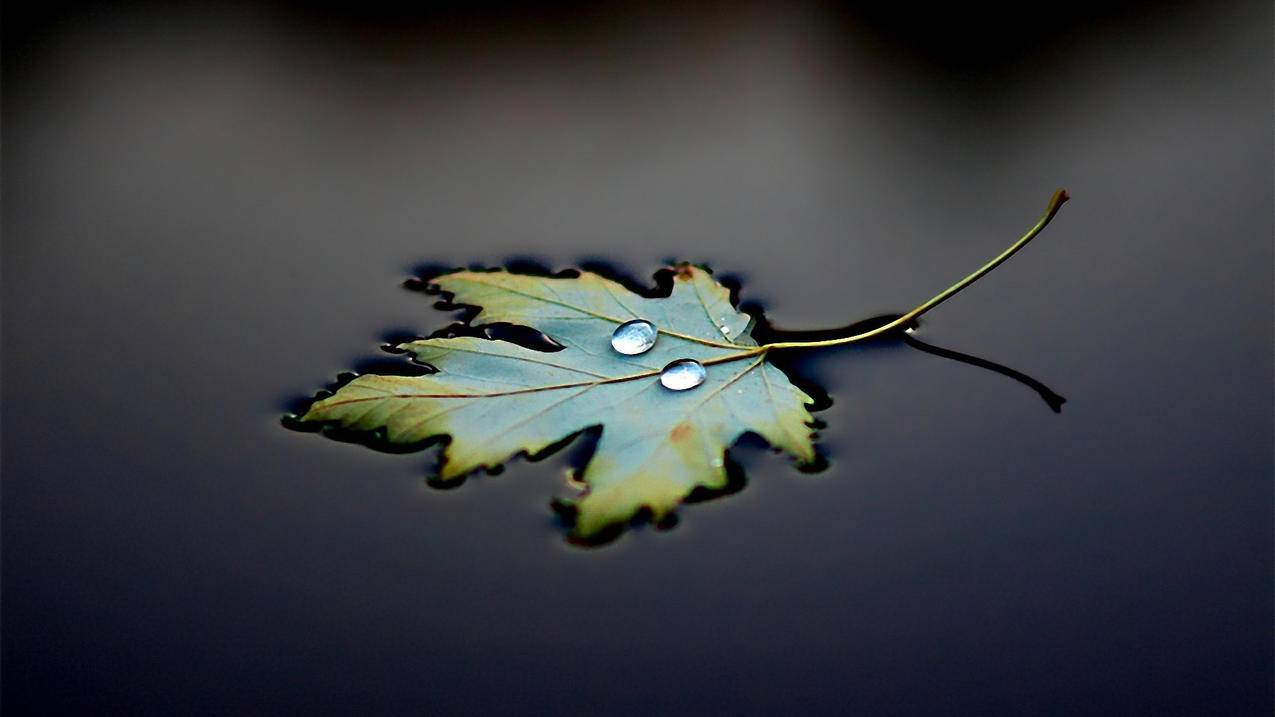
(726,331)
(634,337)
(683,374)
(910,330)
(718,463)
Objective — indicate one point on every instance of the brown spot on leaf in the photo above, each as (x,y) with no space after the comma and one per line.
(681,432)
(684,272)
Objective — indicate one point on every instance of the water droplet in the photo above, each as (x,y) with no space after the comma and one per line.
(634,337)
(718,462)
(910,330)
(726,331)
(683,374)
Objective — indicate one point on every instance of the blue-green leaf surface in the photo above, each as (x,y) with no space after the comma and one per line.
(495,399)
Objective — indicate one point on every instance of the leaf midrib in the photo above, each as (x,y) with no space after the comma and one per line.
(539,389)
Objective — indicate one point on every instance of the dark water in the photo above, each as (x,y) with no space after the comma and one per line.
(208,215)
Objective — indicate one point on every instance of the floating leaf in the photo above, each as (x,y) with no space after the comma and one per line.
(496,399)
(667,410)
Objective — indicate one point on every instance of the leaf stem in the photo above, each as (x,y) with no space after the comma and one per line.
(1055,203)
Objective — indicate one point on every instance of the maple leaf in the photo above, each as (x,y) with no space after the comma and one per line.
(496,399)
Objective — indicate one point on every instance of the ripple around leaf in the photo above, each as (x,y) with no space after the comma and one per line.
(497,399)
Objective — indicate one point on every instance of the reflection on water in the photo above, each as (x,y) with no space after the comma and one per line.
(1051,399)
(908,336)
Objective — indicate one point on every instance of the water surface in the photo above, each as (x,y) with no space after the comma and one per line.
(208,215)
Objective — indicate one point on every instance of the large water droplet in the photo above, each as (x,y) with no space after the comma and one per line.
(634,337)
(683,374)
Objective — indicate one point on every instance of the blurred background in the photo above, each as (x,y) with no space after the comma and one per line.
(209,210)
